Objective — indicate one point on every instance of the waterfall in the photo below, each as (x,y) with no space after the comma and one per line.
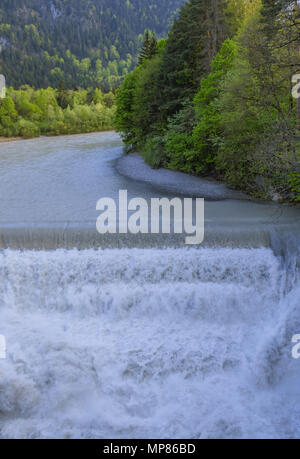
(140,336)
(150,342)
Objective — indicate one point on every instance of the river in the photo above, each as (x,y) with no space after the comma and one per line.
(141,336)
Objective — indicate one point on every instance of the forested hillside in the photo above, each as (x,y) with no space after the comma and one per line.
(216,98)
(85,43)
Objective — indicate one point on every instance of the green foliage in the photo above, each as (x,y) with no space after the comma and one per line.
(137,106)
(30,113)
(180,152)
(125,117)
(162,86)
(154,151)
(294,183)
(193,42)
(208,131)
(149,48)
(85,43)
(26,129)
(258,113)
(145,103)
(8,116)
(273,12)
(179,145)
(213,103)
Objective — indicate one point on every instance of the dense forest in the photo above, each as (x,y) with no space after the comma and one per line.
(215,98)
(30,113)
(85,43)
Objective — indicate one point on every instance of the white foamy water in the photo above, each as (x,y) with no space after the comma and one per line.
(192,343)
(139,340)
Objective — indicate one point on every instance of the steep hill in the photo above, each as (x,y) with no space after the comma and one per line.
(82,42)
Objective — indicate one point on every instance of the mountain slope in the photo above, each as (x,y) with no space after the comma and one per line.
(82,42)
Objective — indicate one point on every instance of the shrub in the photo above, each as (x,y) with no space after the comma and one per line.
(154,152)
(27,129)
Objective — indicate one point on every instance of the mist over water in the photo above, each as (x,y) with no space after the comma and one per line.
(157,340)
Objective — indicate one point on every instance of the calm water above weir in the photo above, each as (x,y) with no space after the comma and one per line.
(49,188)
(142,337)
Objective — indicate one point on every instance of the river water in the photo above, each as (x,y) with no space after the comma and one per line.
(141,336)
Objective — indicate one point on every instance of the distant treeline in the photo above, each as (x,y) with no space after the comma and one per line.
(30,113)
(216,98)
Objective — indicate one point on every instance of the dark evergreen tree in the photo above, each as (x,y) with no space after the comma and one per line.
(62,97)
(193,42)
(149,48)
(167,84)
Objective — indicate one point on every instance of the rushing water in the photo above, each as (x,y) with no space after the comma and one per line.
(140,337)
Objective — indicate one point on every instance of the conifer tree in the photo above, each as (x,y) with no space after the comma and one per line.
(193,42)
(61,97)
(149,48)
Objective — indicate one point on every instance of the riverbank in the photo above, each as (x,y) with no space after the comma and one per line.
(140,321)
(55,112)
(13,139)
(10,139)
(135,167)
(50,186)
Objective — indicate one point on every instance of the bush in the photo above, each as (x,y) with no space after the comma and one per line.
(154,152)
(27,129)
(179,150)
(294,182)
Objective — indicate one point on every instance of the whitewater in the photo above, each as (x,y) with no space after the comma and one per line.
(148,341)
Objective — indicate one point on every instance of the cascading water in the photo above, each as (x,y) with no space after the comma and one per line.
(139,336)
(148,343)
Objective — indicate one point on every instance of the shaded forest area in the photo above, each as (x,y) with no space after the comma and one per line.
(215,98)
